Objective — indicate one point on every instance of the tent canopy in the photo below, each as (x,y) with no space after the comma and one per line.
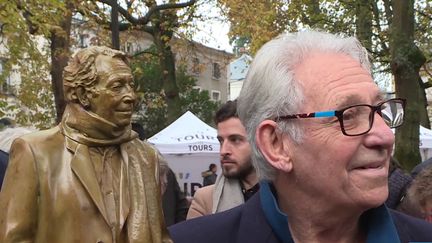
(425,137)
(188,134)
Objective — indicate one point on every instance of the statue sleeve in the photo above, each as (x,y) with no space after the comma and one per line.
(18,197)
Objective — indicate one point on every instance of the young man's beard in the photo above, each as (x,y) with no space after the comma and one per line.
(242,172)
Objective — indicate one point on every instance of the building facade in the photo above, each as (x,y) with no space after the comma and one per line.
(208,65)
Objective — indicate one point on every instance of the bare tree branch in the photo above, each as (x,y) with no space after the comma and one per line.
(123,11)
(376,14)
(146,18)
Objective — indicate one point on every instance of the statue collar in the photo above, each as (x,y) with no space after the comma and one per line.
(88,128)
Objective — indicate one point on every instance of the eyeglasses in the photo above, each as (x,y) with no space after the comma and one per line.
(358,119)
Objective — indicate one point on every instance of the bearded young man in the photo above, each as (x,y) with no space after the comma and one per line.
(89,179)
(238,181)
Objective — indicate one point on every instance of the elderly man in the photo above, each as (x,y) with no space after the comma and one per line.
(321,140)
(239,180)
(89,179)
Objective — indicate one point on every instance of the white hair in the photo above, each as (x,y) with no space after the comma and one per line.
(270,89)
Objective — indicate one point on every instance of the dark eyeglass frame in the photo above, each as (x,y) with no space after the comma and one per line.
(339,114)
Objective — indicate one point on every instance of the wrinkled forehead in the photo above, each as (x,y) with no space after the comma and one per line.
(329,78)
(107,64)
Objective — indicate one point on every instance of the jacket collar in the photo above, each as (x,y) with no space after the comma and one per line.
(254,226)
(377,221)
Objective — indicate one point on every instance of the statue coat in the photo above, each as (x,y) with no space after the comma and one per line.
(51,196)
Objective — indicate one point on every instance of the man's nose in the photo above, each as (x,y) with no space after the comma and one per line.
(383,135)
(225,148)
(130,96)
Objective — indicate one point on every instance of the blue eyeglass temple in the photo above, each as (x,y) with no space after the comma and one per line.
(331,113)
(325,114)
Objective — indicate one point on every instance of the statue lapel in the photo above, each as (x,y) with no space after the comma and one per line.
(83,169)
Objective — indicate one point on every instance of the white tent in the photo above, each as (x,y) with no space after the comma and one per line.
(190,146)
(188,134)
(425,143)
(425,138)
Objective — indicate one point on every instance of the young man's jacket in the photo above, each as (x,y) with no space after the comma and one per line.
(223,195)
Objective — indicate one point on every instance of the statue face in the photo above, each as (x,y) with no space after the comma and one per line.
(114,96)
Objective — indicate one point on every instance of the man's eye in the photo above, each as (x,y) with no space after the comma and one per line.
(116,85)
(334,120)
(351,114)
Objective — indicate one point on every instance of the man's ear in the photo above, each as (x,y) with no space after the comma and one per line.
(272,145)
(82,96)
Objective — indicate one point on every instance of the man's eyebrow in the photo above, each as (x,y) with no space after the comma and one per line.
(381,96)
(117,78)
(350,100)
(355,99)
(236,136)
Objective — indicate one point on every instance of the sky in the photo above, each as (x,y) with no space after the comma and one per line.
(213,31)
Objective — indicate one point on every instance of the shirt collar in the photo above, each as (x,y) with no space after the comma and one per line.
(377,221)
(248,193)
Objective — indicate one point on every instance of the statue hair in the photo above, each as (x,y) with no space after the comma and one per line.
(81,69)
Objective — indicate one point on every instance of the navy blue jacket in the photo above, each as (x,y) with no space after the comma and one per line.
(4,157)
(247,223)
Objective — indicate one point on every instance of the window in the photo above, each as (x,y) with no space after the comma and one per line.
(5,85)
(129,48)
(82,43)
(139,48)
(216,71)
(198,88)
(195,65)
(215,95)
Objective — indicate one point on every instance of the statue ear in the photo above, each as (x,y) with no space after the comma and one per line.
(82,96)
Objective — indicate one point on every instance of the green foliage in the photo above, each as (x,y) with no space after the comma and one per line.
(152,107)
(36,99)
(23,29)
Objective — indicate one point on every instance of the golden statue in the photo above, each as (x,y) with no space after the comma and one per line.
(89,179)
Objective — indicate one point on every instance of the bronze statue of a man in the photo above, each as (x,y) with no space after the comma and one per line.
(89,179)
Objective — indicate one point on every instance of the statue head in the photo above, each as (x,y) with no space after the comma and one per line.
(100,80)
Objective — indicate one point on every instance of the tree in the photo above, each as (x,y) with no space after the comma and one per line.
(160,20)
(23,25)
(406,62)
(60,44)
(255,21)
(152,109)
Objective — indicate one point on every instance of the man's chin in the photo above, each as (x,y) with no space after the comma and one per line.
(375,198)
(230,174)
(122,124)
